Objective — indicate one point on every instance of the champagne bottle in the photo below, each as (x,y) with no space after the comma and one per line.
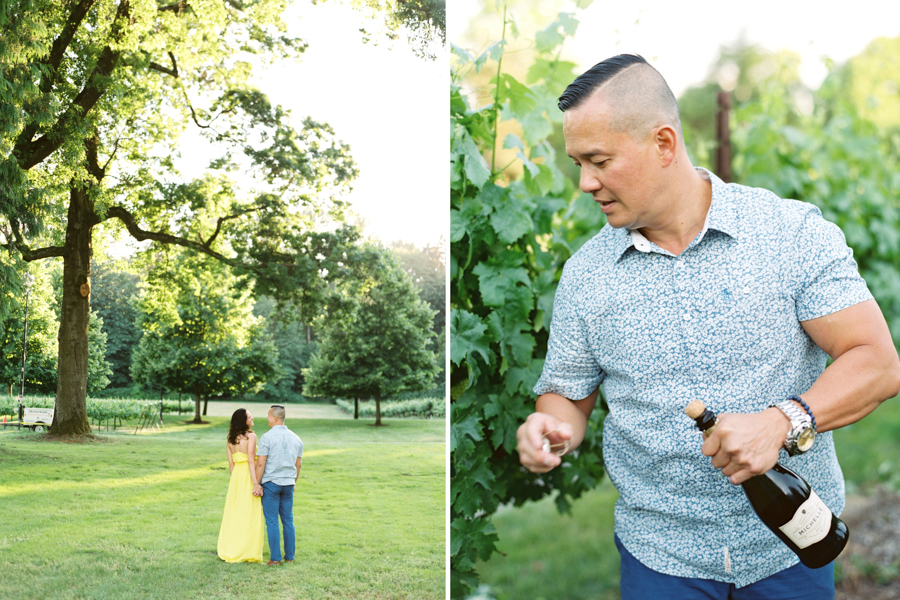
(787,505)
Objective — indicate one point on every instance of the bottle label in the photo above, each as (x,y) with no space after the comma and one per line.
(810,523)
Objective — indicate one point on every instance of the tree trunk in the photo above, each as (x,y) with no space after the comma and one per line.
(70,417)
(356,408)
(378,408)
(205,404)
(197,399)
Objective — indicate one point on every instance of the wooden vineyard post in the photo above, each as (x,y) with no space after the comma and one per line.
(723,135)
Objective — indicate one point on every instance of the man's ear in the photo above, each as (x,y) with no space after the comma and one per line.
(666,144)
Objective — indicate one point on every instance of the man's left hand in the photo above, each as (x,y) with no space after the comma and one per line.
(745,445)
(258,491)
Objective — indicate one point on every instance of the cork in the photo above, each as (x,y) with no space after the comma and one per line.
(694,408)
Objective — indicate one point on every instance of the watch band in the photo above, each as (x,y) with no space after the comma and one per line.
(800,437)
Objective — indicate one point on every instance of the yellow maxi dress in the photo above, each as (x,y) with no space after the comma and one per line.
(241,533)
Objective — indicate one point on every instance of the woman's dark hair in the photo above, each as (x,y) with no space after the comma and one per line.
(238,425)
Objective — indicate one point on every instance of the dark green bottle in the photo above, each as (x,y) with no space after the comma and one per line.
(788,506)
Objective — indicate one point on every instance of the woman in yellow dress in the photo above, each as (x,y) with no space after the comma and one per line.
(241,533)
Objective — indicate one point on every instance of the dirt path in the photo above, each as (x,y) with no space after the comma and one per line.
(870,560)
(294,411)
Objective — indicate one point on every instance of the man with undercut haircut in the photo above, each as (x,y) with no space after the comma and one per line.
(279,459)
(698,289)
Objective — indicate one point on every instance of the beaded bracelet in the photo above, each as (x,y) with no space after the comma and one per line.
(807,409)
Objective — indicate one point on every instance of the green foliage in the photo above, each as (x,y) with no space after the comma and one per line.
(98,369)
(424,23)
(425,408)
(377,344)
(199,333)
(745,70)
(510,236)
(840,162)
(97,410)
(42,351)
(93,99)
(293,339)
(869,82)
(41,355)
(427,269)
(113,292)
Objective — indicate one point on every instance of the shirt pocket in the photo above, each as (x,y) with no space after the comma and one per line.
(749,320)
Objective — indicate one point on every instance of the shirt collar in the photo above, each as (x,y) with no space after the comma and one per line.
(721,217)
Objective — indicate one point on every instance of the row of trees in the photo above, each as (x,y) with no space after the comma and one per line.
(516,216)
(177,321)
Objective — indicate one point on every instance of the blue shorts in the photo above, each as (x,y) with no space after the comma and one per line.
(799,582)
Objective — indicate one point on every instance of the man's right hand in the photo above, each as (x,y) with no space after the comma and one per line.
(531,435)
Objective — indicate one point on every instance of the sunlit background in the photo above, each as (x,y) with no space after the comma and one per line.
(381,99)
(683,39)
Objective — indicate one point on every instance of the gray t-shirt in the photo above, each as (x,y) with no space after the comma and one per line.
(282,448)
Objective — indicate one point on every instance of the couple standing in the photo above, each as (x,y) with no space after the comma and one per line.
(262,483)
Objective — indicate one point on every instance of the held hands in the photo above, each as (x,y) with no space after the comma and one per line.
(745,445)
(257,491)
(542,440)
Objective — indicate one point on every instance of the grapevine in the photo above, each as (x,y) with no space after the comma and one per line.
(512,228)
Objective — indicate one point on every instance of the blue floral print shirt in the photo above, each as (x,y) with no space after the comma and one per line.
(719,323)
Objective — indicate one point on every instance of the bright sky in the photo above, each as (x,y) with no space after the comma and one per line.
(386,104)
(682,39)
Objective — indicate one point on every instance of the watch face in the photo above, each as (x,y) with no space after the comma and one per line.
(806,439)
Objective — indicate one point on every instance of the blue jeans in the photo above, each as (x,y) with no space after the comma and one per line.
(278,501)
(799,582)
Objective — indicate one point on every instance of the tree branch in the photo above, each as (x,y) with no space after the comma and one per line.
(193,112)
(177,7)
(173,71)
(222,220)
(53,60)
(141,234)
(91,158)
(61,43)
(27,253)
(34,152)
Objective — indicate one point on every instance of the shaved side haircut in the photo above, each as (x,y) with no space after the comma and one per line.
(278,412)
(640,96)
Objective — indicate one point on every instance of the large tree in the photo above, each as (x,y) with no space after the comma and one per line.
(94,96)
(377,345)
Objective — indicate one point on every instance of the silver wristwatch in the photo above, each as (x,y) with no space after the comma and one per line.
(802,434)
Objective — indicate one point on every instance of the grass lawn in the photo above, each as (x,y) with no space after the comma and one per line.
(137,516)
(548,556)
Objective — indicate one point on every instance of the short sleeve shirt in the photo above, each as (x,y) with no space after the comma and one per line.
(282,447)
(721,323)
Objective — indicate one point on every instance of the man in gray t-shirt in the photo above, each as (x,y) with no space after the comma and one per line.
(278,464)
